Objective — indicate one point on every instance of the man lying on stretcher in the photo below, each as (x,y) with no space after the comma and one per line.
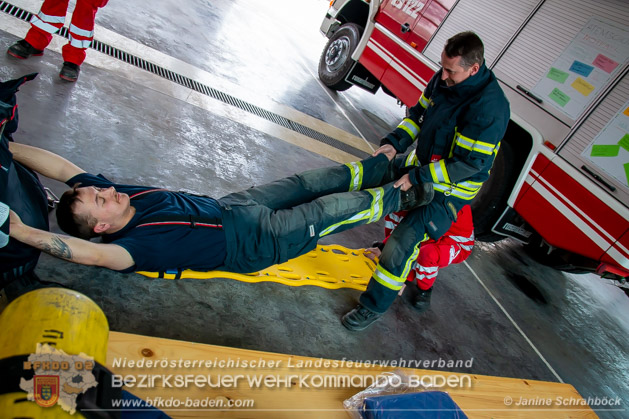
(152,229)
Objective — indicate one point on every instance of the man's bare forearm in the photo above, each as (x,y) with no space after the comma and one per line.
(73,249)
(61,246)
(44,162)
(56,247)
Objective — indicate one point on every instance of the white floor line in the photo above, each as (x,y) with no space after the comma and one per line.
(514,323)
(325,89)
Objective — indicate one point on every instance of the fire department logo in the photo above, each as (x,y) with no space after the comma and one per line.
(46,390)
(58,378)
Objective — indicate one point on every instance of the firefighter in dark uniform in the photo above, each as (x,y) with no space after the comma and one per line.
(458,123)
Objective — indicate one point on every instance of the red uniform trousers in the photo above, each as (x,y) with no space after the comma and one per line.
(453,247)
(51,18)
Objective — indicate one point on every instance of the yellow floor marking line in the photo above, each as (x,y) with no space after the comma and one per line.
(328,266)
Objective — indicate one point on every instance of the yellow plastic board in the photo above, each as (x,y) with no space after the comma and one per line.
(328,266)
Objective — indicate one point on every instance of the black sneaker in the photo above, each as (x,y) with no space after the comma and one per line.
(22,50)
(359,318)
(69,71)
(421,302)
(417,196)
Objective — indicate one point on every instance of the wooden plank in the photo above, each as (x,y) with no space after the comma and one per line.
(304,387)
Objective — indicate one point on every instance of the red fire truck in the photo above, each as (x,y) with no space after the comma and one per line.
(560,180)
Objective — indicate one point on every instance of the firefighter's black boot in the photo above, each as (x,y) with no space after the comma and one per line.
(359,318)
(69,71)
(22,50)
(421,301)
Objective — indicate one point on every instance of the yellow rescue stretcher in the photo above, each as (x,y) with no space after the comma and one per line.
(328,266)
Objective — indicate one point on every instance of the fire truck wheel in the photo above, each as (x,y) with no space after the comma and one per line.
(491,201)
(336,62)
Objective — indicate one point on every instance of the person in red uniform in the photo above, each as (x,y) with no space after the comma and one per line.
(453,247)
(48,21)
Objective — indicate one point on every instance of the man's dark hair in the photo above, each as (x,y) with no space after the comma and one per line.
(81,226)
(468,46)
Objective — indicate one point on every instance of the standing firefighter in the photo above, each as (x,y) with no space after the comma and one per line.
(458,124)
(48,21)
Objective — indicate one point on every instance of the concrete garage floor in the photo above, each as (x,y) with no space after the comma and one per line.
(514,317)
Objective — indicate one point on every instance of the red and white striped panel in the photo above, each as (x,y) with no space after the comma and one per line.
(569,216)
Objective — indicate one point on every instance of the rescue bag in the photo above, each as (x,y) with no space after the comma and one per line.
(20,191)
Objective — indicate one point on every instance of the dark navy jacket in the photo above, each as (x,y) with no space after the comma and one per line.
(458,131)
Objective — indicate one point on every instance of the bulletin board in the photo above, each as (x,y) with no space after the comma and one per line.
(585,67)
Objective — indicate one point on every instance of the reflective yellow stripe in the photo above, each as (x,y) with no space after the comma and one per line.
(376,204)
(387,279)
(455,191)
(424,101)
(411,159)
(356,174)
(411,128)
(374,213)
(477,146)
(439,172)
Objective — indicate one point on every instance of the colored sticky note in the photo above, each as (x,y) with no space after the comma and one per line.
(581,69)
(557,75)
(626,112)
(560,97)
(624,142)
(602,150)
(605,63)
(626,166)
(582,86)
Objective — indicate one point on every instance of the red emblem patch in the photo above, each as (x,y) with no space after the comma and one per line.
(46,390)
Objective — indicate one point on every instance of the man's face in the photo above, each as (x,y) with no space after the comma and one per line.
(453,73)
(106,205)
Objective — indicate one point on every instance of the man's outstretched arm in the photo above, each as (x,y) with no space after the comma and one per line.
(44,162)
(69,248)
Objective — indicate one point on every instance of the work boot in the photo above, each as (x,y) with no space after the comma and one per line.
(69,71)
(22,50)
(359,318)
(417,196)
(421,301)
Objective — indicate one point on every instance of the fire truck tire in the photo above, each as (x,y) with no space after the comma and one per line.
(336,59)
(491,201)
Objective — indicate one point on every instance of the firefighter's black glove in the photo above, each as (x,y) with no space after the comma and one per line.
(417,196)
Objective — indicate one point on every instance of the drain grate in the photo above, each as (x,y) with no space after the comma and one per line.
(196,86)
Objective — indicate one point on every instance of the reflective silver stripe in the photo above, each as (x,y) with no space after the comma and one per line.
(51,19)
(452,190)
(390,225)
(383,278)
(394,217)
(356,174)
(426,269)
(376,207)
(478,146)
(439,172)
(35,21)
(467,247)
(462,239)
(79,43)
(81,32)
(472,186)
(424,101)
(410,127)
(411,159)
